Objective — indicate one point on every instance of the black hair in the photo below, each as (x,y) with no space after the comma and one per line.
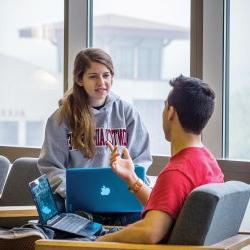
(193,101)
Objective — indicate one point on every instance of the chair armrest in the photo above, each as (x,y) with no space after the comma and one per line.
(18,211)
(233,243)
(79,245)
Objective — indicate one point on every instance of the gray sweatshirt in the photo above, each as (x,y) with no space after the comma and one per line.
(117,122)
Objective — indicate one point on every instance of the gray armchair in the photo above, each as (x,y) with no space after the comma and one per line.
(4,170)
(211,216)
(16,190)
(212,213)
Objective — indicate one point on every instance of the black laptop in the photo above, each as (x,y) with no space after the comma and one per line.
(49,215)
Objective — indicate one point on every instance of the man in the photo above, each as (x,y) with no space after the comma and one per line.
(188,108)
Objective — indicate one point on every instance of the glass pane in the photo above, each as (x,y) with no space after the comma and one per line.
(31,66)
(149,45)
(239,80)
(34,137)
(8,132)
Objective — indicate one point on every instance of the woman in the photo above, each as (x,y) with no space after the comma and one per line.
(88,116)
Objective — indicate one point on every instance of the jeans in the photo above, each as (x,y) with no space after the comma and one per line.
(108,219)
(116,219)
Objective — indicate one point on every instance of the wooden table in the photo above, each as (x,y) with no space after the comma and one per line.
(18,211)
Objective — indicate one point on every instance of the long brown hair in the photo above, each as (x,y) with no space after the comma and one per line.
(75,108)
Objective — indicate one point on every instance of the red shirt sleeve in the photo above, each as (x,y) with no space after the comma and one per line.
(169,193)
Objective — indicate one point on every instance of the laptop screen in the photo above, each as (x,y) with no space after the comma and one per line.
(43,198)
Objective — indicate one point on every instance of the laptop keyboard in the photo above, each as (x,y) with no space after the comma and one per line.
(71,223)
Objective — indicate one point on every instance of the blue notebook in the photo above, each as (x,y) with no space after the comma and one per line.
(99,190)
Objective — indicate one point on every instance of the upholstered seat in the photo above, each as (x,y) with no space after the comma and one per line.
(4,170)
(211,214)
(16,190)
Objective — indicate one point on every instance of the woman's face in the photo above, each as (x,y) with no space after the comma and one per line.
(97,82)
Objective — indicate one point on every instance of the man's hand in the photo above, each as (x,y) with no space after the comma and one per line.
(122,166)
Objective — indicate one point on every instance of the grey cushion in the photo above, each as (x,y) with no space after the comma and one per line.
(4,170)
(211,213)
(16,191)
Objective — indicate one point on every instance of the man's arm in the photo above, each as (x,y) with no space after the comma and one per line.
(150,230)
(143,194)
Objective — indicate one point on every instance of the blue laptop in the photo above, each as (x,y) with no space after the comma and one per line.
(49,216)
(99,190)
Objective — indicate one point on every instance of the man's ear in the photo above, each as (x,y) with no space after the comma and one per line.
(171,113)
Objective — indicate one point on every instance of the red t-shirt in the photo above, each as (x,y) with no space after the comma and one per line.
(188,169)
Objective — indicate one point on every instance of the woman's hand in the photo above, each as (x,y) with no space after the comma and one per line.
(122,166)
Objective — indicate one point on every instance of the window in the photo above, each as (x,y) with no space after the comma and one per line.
(31,71)
(149,45)
(238,80)
(123,58)
(155,109)
(149,63)
(34,137)
(9,132)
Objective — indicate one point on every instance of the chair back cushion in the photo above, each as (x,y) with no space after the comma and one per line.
(211,213)
(16,190)
(4,170)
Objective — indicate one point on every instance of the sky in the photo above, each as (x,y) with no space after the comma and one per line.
(175,12)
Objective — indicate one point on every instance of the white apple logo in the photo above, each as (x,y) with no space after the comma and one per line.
(105,190)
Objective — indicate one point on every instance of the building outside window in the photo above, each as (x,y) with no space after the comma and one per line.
(239,80)
(149,63)
(33,133)
(149,42)
(123,57)
(9,132)
(149,47)
(31,68)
